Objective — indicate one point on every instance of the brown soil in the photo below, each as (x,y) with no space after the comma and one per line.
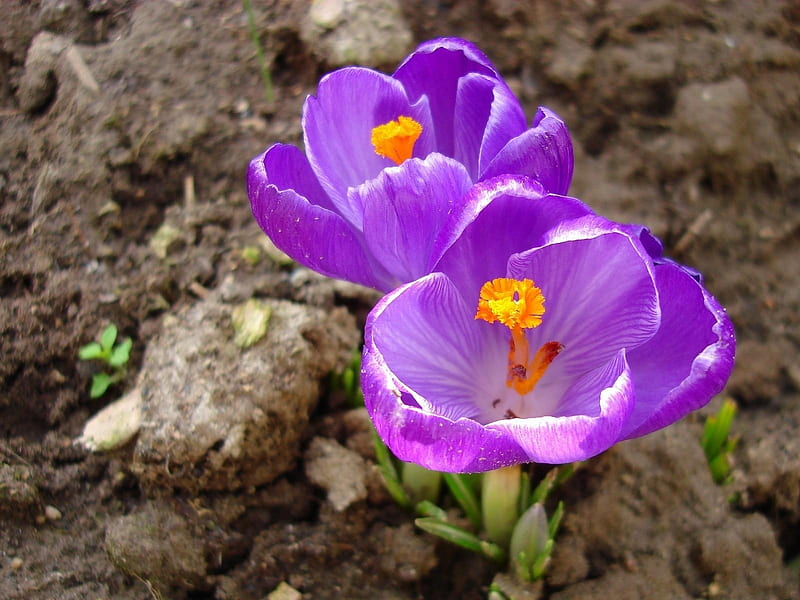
(118,116)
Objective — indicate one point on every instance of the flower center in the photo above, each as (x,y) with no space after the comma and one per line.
(395,140)
(519,305)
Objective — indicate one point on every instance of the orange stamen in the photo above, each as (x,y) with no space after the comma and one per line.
(395,140)
(516,304)
(519,305)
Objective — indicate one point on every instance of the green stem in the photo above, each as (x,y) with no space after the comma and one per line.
(266,77)
(500,502)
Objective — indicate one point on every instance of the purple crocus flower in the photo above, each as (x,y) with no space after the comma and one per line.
(388,157)
(546,334)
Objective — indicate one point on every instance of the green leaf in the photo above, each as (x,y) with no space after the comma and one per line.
(542,561)
(108,337)
(100,383)
(465,496)
(121,354)
(460,537)
(555,519)
(426,508)
(390,477)
(717,428)
(90,351)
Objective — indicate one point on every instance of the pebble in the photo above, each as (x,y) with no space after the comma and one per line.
(16,563)
(52,513)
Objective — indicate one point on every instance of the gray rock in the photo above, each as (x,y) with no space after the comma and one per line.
(341,472)
(159,547)
(344,32)
(217,417)
(715,115)
(19,494)
(68,17)
(37,86)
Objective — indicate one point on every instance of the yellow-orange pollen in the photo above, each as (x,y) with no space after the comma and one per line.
(395,140)
(519,305)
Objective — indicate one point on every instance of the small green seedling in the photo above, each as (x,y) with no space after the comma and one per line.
(348,380)
(115,357)
(717,443)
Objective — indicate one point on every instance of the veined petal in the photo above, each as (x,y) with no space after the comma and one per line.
(287,168)
(309,233)
(434,70)
(428,338)
(600,294)
(589,420)
(405,207)
(338,124)
(543,152)
(498,218)
(689,359)
(488,116)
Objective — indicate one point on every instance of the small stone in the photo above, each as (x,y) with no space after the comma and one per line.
(284,592)
(115,425)
(250,322)
(717,115)
(16,563)
(165,240)
(326,13)
(340,471)
(51,513)
(364,32)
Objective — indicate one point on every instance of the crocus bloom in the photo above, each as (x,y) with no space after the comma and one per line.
(444,120)
(546,334)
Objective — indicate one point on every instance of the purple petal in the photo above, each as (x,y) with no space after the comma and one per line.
(338,123)
(428,338)
(404,209)
(498,218)
(488,116)
(287,168)
(413,433)
(689,359)
(434,70)
(309,233)
(543,152)
(600,294)
(593,412)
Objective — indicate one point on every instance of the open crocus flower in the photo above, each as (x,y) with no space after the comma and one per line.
(406,147)
(564,337)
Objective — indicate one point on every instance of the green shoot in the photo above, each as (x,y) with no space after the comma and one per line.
(348,380)
(115,357)
(502,515)
(266,76)
(717,443)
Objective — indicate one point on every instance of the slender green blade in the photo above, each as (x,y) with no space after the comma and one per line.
(390,477)
(426,508)
(465,496)
(460,537)
(555,520)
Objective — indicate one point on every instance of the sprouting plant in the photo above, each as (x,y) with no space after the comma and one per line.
(266,76)
(114,356)
(348,380)
(717,442)
(506,515)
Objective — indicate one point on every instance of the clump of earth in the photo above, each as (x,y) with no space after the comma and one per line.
(233,469)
